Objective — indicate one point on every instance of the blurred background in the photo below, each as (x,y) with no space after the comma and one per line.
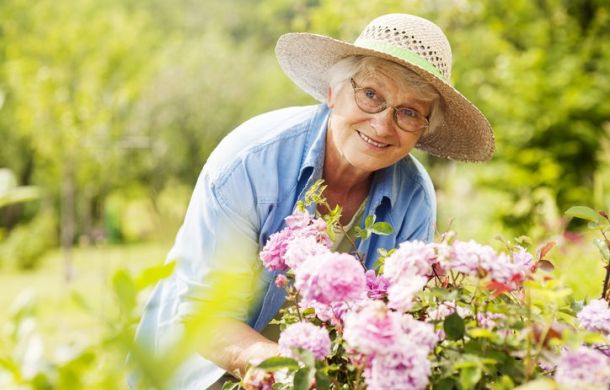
(109,109)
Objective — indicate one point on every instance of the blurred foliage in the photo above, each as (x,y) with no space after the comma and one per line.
(30,240)
(131,215)
(96,363)
(540,70)
(26,244)
(99,98)
(11,193)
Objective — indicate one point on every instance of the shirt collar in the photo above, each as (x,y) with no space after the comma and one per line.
(315,144)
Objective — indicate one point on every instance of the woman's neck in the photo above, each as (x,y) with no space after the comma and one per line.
(347,186)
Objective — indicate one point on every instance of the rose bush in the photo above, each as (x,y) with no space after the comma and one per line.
(448,314)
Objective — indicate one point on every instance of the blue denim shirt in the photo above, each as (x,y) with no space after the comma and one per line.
(250,183)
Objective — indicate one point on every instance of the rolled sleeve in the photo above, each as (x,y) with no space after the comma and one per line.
(217,243)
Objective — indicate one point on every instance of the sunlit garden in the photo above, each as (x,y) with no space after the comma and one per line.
(109,110)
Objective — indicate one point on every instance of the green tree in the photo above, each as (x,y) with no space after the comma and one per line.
(541,71)
(72,72)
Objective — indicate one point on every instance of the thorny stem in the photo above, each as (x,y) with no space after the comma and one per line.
(607,277)
(474,295)
(353,243)
(335,382)
(606,280)
(528,357)
(296,304)
(540,345)
(357,385)
(453,278)
(349,238)
(605,294)
(437,278)
(476,312)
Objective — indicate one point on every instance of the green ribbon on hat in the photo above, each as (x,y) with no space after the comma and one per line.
(404,54)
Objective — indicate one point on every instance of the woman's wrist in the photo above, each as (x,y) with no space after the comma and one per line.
(256,353)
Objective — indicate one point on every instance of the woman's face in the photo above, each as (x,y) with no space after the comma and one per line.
(370,142)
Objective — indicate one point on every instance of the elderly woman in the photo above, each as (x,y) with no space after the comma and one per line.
(381,96)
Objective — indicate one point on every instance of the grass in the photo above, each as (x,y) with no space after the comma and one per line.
(60,319)
(580,268)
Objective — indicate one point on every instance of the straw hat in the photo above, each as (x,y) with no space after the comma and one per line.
(413,42)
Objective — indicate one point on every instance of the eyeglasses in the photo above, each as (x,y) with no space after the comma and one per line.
(369,101)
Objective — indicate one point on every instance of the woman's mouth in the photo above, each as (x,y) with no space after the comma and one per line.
(371,141)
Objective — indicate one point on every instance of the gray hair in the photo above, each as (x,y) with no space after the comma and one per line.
(338,75)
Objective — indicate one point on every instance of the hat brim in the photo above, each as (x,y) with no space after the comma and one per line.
(464,134)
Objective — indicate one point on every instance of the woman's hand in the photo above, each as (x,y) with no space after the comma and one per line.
(234,346)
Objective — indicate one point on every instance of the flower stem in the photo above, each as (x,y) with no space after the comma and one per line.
(353,243)
(605,294)
(528,357)
(296,304)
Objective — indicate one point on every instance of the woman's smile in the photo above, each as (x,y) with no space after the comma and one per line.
(371,141)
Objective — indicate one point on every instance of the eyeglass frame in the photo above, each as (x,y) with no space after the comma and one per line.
(385,105)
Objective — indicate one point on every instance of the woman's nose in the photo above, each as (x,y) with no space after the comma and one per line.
(383,122)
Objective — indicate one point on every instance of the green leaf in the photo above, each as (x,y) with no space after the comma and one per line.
(504,383)
(331,232)
(446,384)
(124,289)
(523,240)
(539,384)
(80,301)
(277,363)
(603,247)
(302,378)
(594,225)
(454,327)
(382,228)
(470,361)
(300,206)
(583,212)
(336,212)
(153,274)
(9,365)
(470,376)
(594,338)
(482,333)
(306,357)
(369,221)
(361,233)
(20,194)
(228,385)
(322,380)
(378,264)
(444,293)
(41,381)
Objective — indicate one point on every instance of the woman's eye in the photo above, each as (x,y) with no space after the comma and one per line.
(370,93)
(407,112)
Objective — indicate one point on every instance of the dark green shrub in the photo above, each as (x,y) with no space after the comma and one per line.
(25,245)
